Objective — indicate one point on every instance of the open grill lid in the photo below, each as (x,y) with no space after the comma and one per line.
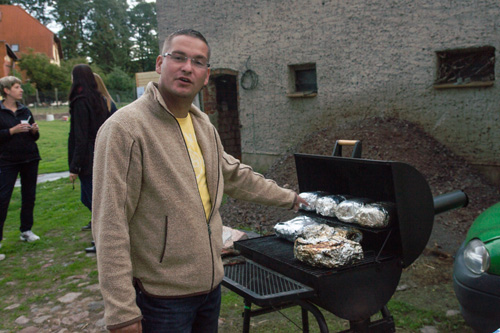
(390,181)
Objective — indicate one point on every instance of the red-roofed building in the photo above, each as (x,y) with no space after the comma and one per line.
(19,32)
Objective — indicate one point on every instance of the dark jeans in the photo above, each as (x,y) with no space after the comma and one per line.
(8,176)
(86,192)
(180,315)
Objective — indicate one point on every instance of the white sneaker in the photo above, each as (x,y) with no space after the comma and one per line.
(2,257)
(29,236)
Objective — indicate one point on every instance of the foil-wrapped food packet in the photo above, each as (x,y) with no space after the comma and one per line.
(346,210)
(327,205)
(325,232)
(335,252)
(311,198)
(291,229)
(375,215)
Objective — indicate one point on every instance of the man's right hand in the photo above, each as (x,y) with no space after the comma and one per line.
(299,201)
(134,328)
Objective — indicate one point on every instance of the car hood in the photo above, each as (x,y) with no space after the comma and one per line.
(486,227)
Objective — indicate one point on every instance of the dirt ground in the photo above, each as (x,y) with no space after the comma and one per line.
(428,279)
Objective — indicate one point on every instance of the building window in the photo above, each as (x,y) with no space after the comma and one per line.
(473,67)
(15,47)
(303,81)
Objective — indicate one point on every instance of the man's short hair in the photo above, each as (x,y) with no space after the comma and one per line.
(8,82)
(185,32)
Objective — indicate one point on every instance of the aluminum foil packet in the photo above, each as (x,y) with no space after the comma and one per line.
(311,198)
(347,209)
(327,205)
(375,215)
(335,252)
(325,232)
(291,229)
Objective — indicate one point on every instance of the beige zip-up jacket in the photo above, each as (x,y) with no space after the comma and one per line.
(148,219)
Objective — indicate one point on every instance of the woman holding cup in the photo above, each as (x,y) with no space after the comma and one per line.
(18,155)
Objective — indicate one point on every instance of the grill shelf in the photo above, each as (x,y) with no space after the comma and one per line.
(334,222)
(271,291)
(263,286)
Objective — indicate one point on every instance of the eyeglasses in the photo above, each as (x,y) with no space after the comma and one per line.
(182,59)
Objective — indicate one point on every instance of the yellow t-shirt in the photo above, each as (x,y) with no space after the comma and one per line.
(197,161)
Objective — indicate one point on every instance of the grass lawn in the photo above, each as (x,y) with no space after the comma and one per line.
(32,273)
(53,146)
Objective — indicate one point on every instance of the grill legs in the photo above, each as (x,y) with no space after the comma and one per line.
(306,307)
(247,314)
(305,321)
(384,325)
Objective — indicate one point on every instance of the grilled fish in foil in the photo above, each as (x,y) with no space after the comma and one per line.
(311,198)
(347,209)
(325,232)
(327,205)
(334,252)
(375,215)
(290,230)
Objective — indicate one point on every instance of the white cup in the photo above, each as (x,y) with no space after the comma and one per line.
(24,122)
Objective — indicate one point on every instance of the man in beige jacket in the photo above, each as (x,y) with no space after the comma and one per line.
(160,172)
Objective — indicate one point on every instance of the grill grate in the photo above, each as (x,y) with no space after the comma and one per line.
(272,251)
(263,285)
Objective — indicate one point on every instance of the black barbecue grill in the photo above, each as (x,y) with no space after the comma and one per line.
(354,292)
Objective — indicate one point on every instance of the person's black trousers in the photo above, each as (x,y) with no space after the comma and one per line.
(8,176)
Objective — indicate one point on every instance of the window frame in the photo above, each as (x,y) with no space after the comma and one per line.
(486,53)
(292,86)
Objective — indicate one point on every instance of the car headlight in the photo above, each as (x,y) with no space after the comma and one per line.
(476,257)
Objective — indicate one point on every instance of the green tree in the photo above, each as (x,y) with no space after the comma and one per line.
(143,25)
(109,35)
(39,9)
(71,15)
(42,73)
(117,79)
(102,31)
(120,85)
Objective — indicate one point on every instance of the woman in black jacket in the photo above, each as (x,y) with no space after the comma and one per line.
(18,155)
(88,112)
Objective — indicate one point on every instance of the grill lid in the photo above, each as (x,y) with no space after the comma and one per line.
(381,181)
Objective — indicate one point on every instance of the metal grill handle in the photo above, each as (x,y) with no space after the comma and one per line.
(449,201)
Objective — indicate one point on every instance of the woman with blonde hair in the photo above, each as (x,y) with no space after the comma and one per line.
(18,155)
(102,89)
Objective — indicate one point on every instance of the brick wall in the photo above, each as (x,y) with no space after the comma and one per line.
(373,58)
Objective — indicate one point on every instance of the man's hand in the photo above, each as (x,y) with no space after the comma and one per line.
(73,176)
(298,201)
(134,328)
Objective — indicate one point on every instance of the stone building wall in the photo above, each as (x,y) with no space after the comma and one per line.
(372,58)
